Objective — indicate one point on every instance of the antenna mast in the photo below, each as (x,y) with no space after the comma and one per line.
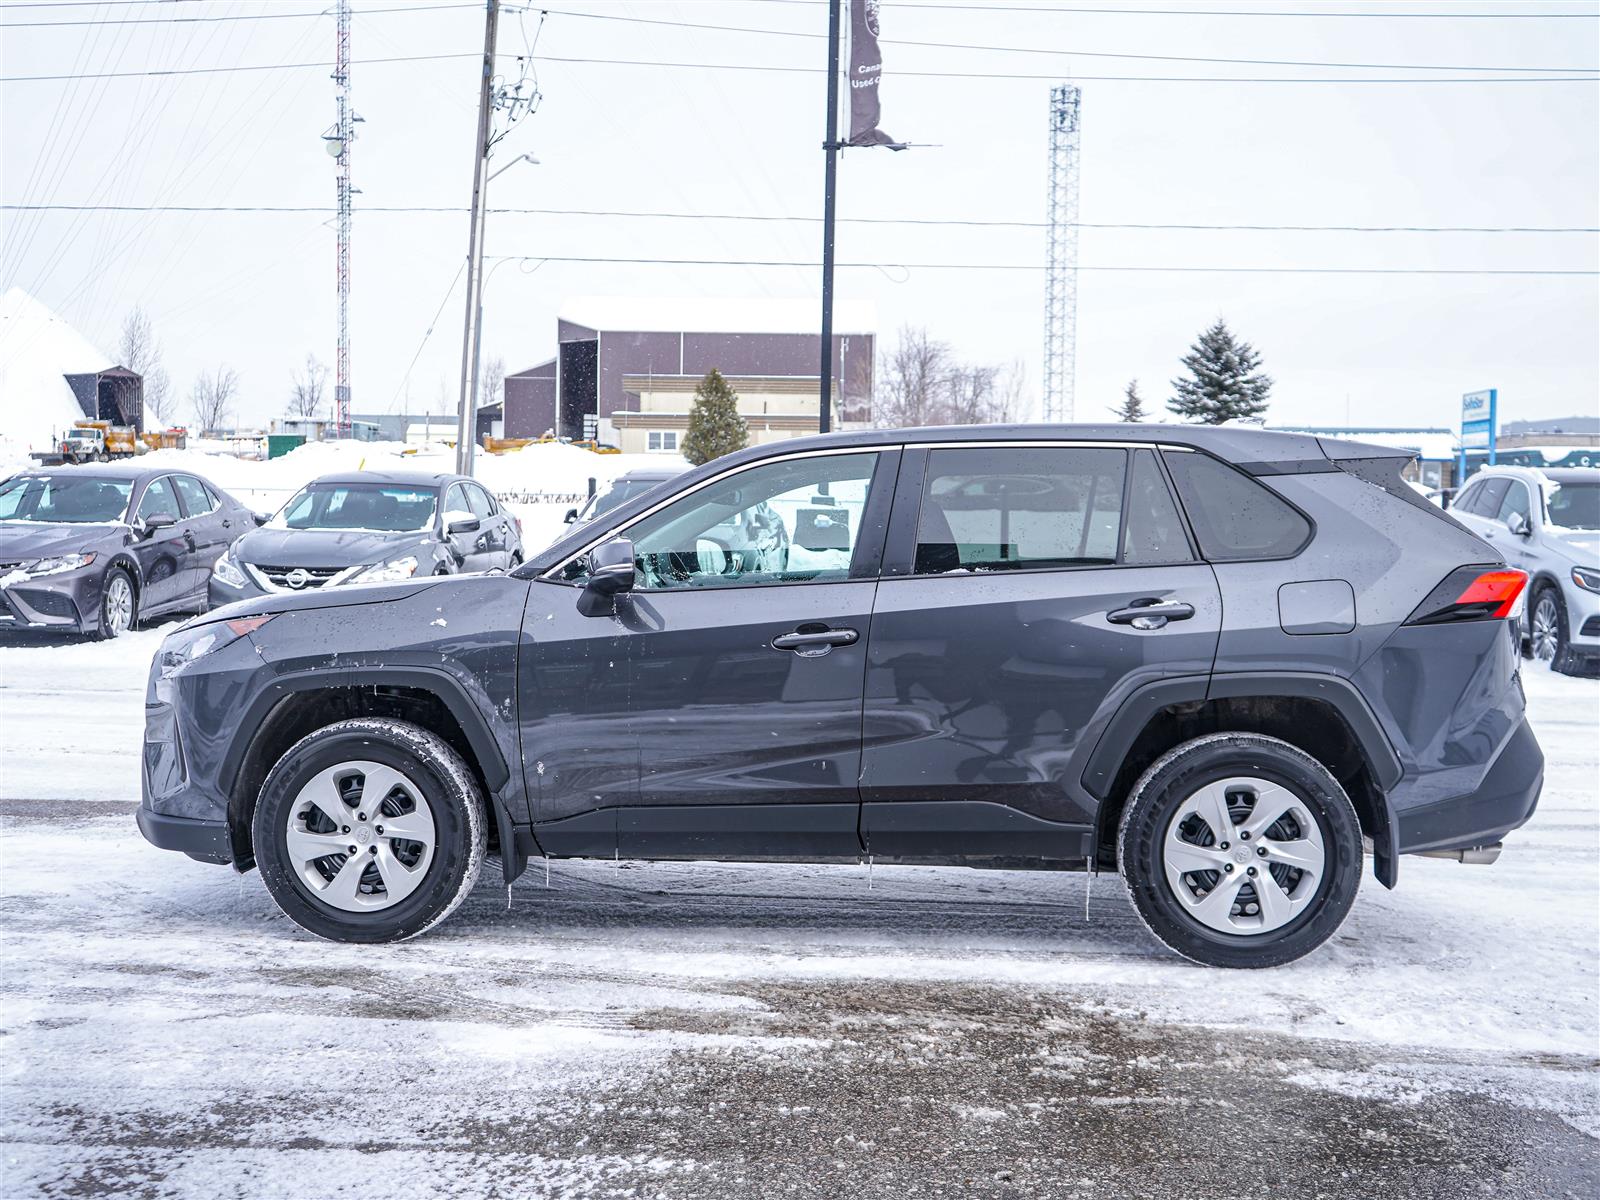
(1061,257)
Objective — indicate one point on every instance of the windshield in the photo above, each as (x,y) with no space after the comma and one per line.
(1575,505)
(68,499)
(370,507)
(619,492)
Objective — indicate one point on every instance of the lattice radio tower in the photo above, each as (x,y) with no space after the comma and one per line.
(1061,257)
(338,142)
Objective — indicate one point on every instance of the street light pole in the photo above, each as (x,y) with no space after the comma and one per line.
(467,417)
(830,178)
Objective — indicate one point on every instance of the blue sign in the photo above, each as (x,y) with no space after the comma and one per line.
(1479,416)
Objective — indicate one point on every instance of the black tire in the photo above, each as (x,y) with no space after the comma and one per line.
(1562,659)
(452,794)
(110,624)
(1162,791)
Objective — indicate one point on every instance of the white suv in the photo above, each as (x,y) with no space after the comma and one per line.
(1547,522)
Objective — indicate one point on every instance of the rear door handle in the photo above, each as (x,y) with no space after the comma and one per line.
(1150,613)
(813,643)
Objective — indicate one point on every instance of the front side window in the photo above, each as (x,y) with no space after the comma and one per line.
(72,500)
(1013,508)
(478,499)
(1486,499)
(792,521)
(159,498)
(1514,504)
(1235,518)
(455,502)
(376,508)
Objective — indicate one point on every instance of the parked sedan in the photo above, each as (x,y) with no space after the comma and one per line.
(370,527)
(1547,522)
(95,549)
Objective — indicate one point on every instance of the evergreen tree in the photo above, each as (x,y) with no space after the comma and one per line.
(1132,407)
(715,426)
(1223,382)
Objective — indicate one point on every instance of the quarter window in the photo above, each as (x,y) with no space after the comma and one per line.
(1154,532)
(792,521)
(1235,518)
(1007,508)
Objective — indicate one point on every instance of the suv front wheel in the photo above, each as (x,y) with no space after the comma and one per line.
(370,830)
(1240,850)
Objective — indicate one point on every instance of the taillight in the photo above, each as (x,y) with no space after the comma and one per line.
(1473,594)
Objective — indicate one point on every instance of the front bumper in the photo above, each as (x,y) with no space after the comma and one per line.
(50,604)
(1583,618)
(204,841)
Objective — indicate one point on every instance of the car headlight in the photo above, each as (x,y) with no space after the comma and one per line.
(56,565)
(226,571)
(1587,579)
(187,645)
(385,572)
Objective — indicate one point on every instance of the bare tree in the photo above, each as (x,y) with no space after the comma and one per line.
(492,389)
(212,397)
(140,352)
(921,382)
(306,388)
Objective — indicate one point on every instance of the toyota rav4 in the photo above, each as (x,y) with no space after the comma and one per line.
(1225,662)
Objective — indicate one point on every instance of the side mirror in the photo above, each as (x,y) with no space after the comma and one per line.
(572,515)
(1518,524)
(460,522)
(610,574)
(260,518)
(145,526)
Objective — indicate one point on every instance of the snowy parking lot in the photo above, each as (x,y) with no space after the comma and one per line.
(701,1030)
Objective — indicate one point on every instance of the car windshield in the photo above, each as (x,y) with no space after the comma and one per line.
(68,499)
(1575,505)
(378,508)
(619,492)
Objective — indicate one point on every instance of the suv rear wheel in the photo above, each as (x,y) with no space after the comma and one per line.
(1240,850)
(370,830)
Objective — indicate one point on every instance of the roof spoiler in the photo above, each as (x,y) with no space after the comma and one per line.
(1338,449)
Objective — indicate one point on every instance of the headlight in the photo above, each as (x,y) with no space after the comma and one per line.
(385,572)
(225,571)
(184,647)
(56,565)
(1588,580)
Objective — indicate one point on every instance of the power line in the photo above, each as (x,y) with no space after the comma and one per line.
(947,266)
(768,217)
(212,17)
(1222,12)
(967,46)
(795,70)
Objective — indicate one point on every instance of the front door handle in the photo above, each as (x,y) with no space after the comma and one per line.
(1150,613)
(813,641)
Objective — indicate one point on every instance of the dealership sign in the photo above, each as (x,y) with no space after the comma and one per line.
(1478,419)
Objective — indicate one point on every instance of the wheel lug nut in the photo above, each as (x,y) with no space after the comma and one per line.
(1224,846)
(1228,867)
(1251,871)
(380,830)
(345,829)
(361,816)
(1261,850)
(353,851)
(1244,835)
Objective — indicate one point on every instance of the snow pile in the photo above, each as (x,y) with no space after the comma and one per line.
(37,350)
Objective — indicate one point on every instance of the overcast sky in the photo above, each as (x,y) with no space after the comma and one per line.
(256,290)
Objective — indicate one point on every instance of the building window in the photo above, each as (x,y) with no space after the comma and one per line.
(663,440)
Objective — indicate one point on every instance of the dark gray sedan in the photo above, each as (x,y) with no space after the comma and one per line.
(370,527)
(97,548)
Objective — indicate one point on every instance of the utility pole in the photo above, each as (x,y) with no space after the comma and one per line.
(339,146)
(1061,257)
(467,421)
(830,179)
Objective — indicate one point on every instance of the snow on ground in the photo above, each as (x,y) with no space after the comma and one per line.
(736,1030)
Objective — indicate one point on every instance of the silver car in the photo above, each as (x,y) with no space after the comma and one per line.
(1546,522)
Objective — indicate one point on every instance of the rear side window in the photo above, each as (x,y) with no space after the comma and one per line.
(1013,508)
(1234,517)
(482,506)
(1154,532)
(195,501)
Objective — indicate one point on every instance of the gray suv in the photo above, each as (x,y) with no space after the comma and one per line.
(1548,523)
(1220,661)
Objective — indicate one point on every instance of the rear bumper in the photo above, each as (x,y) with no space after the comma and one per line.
(204,841)
(1503,801)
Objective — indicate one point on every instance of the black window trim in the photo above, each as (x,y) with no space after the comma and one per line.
(1311,524)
